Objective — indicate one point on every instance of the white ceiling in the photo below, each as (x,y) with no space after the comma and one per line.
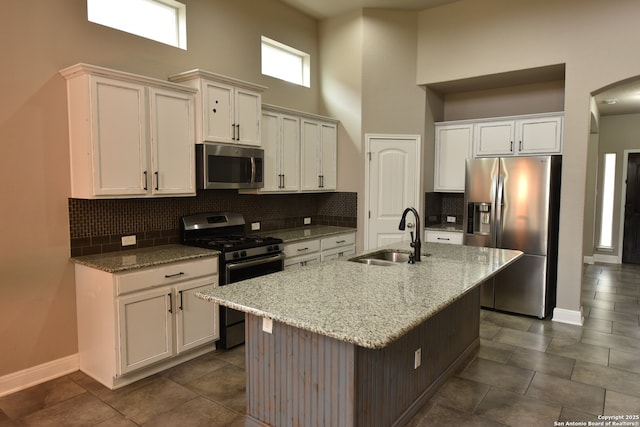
(326,8)
(626,94)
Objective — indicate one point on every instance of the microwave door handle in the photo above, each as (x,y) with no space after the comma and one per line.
(253,169)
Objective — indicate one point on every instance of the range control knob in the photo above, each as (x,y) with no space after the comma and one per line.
(236,255)
(243,253)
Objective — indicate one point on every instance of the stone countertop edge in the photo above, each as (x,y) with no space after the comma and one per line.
(122,261)
(457,228)
(366,305)
(289,235)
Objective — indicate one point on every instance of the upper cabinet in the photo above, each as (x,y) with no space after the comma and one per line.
(318,155)
(453,146)
(227,110)
(523,135)
(281,143)
(130,136)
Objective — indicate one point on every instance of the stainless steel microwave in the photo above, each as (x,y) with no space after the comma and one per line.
(228,166)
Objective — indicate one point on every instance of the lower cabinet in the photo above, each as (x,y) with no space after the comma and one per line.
(448,237)
(134,324)
(312,251)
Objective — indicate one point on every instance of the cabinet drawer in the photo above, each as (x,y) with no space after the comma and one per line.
(301,261)
(339,240)
(301,248)
(450,237)
(337,253)
(165,275)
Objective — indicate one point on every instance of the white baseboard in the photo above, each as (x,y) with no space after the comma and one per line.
(38,374)
(572,317)
(607,259)
(588,260)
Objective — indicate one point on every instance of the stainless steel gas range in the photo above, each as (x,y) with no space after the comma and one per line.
(241,257)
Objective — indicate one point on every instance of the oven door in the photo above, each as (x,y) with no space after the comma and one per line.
(242,270)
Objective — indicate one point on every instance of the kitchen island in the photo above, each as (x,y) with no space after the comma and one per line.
(345,343)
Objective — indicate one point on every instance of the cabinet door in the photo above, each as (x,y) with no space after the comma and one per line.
(119,137)
(540,135)
(271,145)
(145,328)
(309,155)
(248,106)
(495,138)
(338,253)
(301,261)
(218,117)
(328,149)
(290,153)
(197,320)
(172,142)
(452,148)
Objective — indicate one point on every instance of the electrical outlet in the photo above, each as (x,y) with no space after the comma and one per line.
(307,220)
(417,358)
(451,219)
(255,226)
(267,325)
(128,240)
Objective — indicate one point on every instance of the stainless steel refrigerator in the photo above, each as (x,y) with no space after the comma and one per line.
(514,203)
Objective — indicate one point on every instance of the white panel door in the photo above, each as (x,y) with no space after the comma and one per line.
(218,115)
(271,145)
(494,139)
(197,320)
(393,185)
(248,106)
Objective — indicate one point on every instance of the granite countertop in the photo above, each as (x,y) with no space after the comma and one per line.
(116,262)
(367,305)
(445,227)
(309,232)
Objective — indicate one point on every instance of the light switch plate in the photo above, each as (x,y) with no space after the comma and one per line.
(255,226)
(451,219)
(128,240)
(417,359)
(307,220)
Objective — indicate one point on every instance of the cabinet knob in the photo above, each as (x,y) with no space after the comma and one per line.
(214,110)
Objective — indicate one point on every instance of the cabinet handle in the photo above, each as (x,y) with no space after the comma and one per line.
(180,294)
(444,238)
(520,149)
(168,276)
(233,131)
(282,180)
(157,180)
(146,187)
(170,303)
(340,241)
(303,249)
(511,149)
(238,137)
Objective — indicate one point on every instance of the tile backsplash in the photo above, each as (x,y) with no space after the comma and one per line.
(97,226)
(440,205)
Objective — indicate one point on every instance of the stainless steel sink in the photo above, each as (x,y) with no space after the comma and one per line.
(386,257)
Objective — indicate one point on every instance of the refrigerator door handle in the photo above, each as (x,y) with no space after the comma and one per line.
(499,206)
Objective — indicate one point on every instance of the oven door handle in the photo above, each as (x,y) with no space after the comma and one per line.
(242,264)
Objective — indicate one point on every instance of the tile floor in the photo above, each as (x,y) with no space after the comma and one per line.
(527,373)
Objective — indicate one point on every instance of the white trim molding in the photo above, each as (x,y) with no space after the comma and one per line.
(572,317)
(588,259)
(26,378)
(607,259)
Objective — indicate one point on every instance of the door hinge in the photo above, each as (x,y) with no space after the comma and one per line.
(369,153)
(369,214)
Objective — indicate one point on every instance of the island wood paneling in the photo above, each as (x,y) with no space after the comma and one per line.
(299,378)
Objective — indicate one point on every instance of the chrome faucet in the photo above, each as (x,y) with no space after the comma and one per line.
(415,242)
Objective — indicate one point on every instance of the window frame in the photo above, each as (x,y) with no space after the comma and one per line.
(305,61)
(178,32)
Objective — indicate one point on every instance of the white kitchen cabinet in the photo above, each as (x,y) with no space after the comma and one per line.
(538,134)
(227,110)
(136,323)
(453,146)
(129,135)
(318,155)
(338,246)
(311,251)
(281,143)
(447,237)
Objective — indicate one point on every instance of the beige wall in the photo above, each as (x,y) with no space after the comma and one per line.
(37,295)
(368,81)
(481,37)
